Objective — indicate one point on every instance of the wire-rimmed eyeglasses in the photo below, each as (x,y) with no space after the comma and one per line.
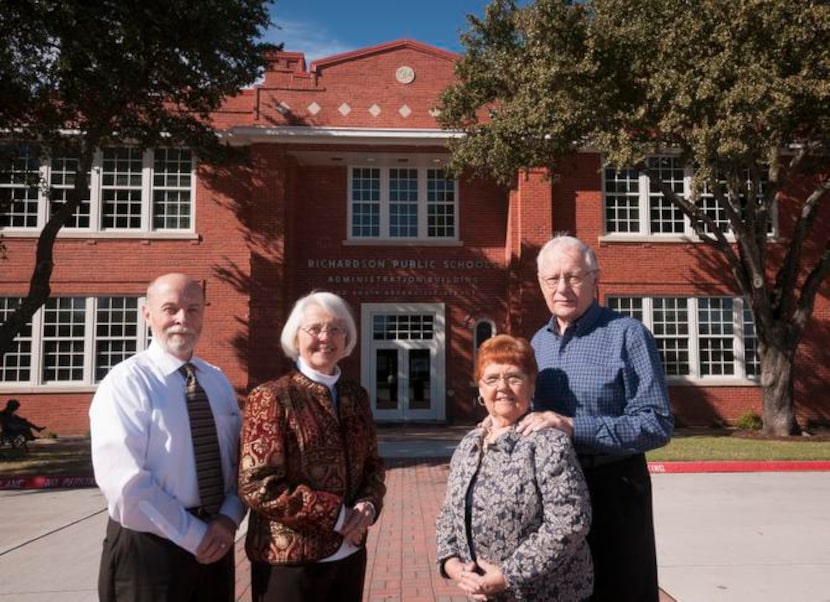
(315,330)
(571,280)
(511,380)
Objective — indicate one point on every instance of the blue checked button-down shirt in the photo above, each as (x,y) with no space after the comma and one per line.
(605,372)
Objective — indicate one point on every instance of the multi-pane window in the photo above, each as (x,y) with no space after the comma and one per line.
(116,332)
(670,325)
(698,337)
(130,190)
(716,331)
(16,366)
(62,176)
(441,195)
(19,186)
(64,320)
(411,327)
(715,210)
(664,216)
(172,183)
(750,350)
(121,173)
(634,205)
(402,204)
(632,306)
(74,340)
(622,200)
(365,202)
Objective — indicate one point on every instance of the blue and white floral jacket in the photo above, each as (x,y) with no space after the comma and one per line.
(529,513)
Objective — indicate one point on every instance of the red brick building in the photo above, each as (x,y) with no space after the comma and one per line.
(345,191)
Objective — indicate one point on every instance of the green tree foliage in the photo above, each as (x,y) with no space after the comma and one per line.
(737,88)
(77,75)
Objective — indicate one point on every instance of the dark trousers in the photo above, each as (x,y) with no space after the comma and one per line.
(338,581)
(622,532)
(142,567)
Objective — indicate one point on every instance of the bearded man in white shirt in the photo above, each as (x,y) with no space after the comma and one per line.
(162,543)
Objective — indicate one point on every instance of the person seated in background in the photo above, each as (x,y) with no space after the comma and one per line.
(516,514)
(13,425)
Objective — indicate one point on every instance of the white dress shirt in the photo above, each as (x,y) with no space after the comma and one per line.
(142,451)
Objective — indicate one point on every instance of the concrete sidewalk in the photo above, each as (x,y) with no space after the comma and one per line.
(732,537)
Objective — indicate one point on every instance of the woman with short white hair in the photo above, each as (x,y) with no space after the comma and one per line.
(309,465)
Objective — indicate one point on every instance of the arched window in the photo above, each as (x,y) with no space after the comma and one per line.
(483,330)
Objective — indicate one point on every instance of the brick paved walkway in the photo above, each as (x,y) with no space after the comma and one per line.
(401,546)
(402,563)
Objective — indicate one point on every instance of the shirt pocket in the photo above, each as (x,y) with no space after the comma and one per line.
(604,386)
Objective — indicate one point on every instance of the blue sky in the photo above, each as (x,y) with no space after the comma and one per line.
(321,28)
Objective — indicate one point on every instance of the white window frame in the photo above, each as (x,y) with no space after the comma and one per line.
(30,191)
(646,226)
(96,228)
(695,376)
(423,204)
(88,381)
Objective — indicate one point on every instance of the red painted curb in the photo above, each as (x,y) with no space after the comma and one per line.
(44,482)
(739,466)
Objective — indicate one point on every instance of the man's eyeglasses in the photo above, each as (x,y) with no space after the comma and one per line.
(572,280)
(316,330)
(512,380)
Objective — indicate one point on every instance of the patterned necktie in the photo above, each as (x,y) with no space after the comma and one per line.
(205,443)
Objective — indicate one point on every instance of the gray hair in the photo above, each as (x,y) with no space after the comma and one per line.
(329,302)
(565,241)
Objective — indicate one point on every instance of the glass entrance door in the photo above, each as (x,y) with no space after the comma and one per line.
(403,384)
(403,364)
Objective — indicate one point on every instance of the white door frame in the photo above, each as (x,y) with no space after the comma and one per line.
(437,349)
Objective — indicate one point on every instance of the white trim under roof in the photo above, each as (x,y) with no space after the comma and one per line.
(315,135)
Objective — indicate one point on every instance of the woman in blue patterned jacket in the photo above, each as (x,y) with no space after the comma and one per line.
(516,511)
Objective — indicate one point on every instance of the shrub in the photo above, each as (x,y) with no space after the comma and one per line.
(750,421)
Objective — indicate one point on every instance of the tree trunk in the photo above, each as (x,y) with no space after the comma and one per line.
(778,392)
(40,287)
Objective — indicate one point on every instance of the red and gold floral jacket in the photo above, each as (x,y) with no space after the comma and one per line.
(299,464)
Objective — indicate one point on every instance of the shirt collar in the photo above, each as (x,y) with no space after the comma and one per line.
(166,362)
(582,324)
(324,379)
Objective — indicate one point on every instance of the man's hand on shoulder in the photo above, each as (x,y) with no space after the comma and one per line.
(536,421)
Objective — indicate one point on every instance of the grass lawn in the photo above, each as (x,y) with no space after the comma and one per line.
(49,457)
(726,445)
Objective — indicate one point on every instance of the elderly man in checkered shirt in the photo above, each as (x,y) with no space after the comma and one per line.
(601,382)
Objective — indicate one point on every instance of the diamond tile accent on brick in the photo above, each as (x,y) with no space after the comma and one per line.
(374,110)
(344,109)
(405,111)
(313,108)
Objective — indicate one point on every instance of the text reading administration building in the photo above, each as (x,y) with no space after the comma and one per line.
(345,191)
